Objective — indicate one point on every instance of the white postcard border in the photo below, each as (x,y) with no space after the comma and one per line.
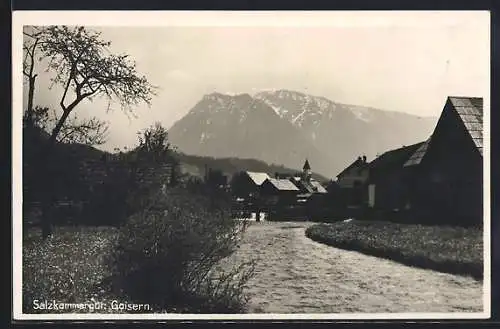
(220,18)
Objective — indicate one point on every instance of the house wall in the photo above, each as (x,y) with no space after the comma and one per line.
(391,191)
(347,179)
(243,186)
(352,187)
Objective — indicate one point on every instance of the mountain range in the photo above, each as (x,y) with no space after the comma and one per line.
(285,127)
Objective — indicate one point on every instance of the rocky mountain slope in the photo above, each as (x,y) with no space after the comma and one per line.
(285,127)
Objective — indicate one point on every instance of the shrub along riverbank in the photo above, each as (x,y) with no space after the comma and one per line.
(158,237)
(164,256)
(455,250)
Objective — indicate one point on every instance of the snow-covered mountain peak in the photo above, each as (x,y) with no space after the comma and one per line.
(362,113)
(284,127)
(297,107)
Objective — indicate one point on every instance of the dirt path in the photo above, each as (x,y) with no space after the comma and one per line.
(297,275)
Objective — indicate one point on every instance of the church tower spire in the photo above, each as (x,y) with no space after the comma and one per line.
(306,169)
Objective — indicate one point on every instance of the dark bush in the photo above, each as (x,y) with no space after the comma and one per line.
(168,256)
(108,202)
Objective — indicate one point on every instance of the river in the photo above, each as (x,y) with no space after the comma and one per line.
(297,275)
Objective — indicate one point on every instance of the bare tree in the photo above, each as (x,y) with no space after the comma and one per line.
(82,64)
(33,37)
(84,67)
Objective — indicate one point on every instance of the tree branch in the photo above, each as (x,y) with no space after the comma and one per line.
(82,63)
(68,83)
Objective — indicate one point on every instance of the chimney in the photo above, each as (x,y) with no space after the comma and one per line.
(276,175)
(359,158)
(364,158)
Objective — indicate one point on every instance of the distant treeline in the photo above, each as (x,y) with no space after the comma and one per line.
(99,180)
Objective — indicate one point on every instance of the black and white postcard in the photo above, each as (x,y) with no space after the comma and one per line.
(251,165)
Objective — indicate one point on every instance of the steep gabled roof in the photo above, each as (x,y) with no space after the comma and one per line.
(470,111)
(282,184)
(257,177)
(394,158)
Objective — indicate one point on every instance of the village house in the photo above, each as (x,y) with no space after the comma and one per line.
(245,187)
(279,198)
(246,184)
(447,170)
(351,182)
(438,181)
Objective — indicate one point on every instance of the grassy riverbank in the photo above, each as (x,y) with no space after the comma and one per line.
(446,249)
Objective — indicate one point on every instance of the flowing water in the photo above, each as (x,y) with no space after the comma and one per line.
(297,275)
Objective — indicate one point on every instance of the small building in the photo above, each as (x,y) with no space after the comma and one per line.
(354,175)
(245,189)
(352,182)
(246,184)
(279,199)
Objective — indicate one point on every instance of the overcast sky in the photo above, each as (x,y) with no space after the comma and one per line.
(394,65)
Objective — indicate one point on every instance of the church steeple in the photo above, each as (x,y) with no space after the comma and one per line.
(306,169)
(307,166)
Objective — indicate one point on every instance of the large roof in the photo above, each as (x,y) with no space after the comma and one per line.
(470,110)
(359,162)
(417,157)
(394,158)
(257,177)
(283,184)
